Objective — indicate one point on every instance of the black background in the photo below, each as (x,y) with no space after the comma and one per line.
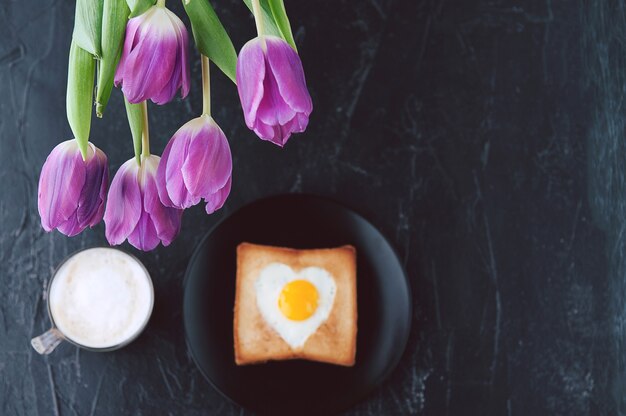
(484,138)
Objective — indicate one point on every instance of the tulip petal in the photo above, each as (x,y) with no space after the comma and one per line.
(153,64)
(183,50)
(134,188)
(264,131)
(180,73)
(217,200)
(60,184)
(103,189)
(250,75)
(286,66)
(167,223)
(71,191)
(90,199)
(273,109)
(160,176)
(166,220)
(149,65)
(168,92)
(129,42)
(144,236)
(186,81)
(208,164)
(282,133)
(123,207)
(300,123)
(272,89)
(196,164)
(175,183)
(71,226)
(149,69)
(99,215)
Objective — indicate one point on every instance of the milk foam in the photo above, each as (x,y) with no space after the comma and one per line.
(101,297)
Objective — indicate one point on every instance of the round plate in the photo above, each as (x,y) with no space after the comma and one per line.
(296,386)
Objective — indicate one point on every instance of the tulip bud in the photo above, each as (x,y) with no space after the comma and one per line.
(134,210)
(153,64)
(272,89)
(72,190)
(196,164)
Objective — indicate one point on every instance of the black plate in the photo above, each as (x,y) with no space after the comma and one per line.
(296,387)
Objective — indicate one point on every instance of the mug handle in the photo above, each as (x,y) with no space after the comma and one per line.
(46,343)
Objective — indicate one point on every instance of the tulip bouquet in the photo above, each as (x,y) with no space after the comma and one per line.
(142,47)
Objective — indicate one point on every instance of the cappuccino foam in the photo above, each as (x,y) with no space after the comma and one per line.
(101,297)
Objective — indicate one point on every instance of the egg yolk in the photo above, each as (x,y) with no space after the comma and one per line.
(298,300)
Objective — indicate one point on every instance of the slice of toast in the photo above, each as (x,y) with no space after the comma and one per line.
(334,341)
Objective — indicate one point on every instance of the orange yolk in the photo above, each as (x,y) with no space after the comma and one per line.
(298,300)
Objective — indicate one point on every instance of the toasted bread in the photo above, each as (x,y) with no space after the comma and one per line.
(334,341)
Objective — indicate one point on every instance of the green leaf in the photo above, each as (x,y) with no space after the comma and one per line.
(80,77)
(282,21)
(113,28)
(211,37)
(88,25)
(268,19)
(135,119)
(138,7)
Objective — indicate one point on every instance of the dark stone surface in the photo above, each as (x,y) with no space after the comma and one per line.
(484,138)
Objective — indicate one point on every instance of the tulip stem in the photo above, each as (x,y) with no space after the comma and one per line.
(258,17)
(160,3)
(206,86)
(145,130)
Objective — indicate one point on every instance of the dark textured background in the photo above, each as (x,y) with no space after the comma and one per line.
(484,138)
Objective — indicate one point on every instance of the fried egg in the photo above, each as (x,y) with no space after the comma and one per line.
(293,303)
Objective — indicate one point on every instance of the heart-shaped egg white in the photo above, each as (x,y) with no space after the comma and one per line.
(268,286)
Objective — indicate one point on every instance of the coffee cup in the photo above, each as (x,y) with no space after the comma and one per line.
(99,299)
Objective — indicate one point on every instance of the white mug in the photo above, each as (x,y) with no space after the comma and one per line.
(99,299)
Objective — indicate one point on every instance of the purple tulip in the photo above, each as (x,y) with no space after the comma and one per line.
(272,89)
(153,64)
(134,210)
(72,190)
(196,164)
